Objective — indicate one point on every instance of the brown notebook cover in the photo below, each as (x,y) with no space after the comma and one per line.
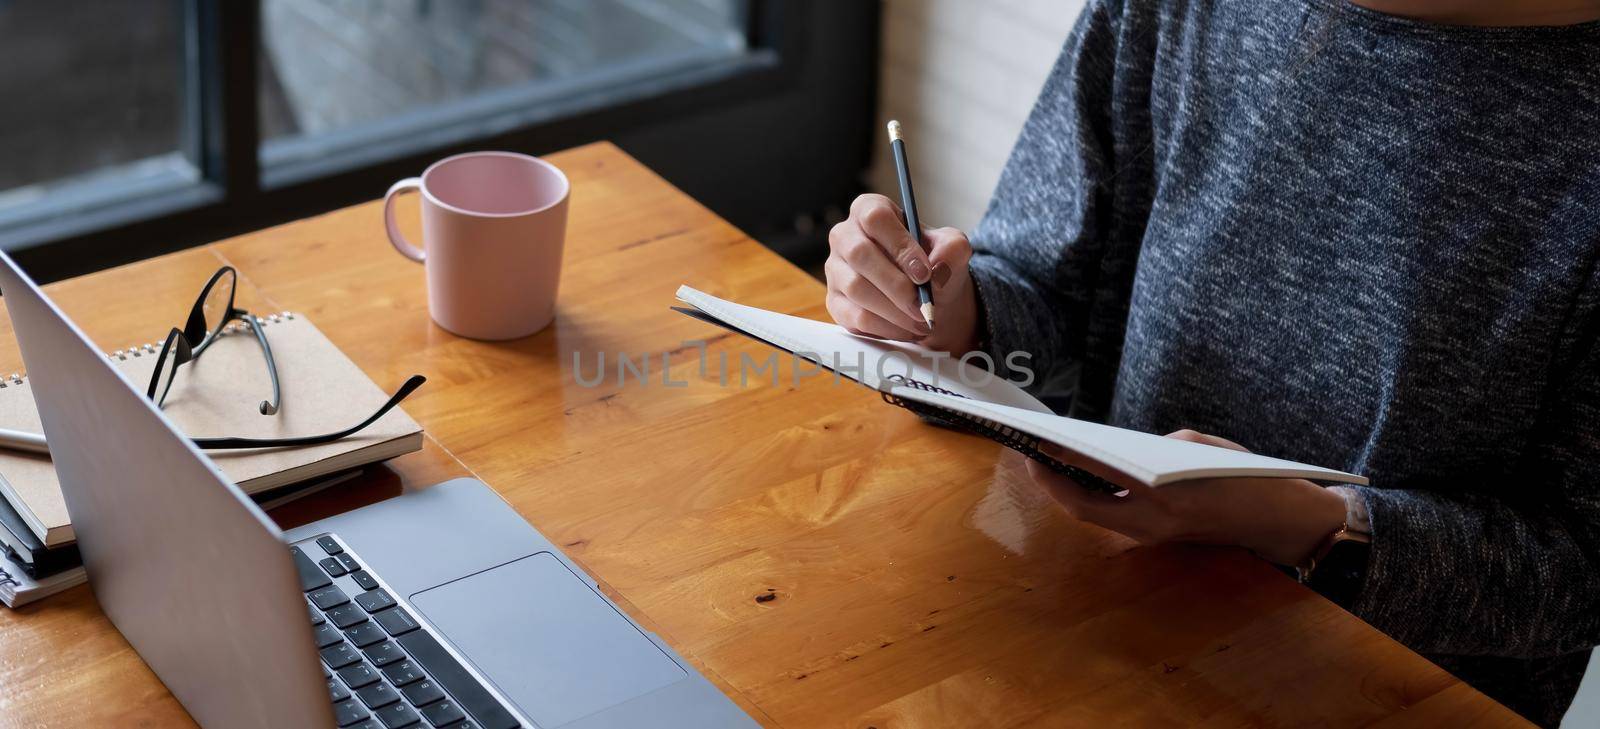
(218,395)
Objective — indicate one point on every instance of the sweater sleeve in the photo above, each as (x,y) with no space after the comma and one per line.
(1038,246)
(1472,574)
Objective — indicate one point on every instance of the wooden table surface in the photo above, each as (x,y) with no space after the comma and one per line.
(824,558)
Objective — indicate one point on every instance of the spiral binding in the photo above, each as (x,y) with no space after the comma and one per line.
(154,348)
(1024,443)
(7,579)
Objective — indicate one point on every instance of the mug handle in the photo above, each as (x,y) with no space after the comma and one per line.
(397,239)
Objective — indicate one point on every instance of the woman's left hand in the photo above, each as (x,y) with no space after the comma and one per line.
(1282,520)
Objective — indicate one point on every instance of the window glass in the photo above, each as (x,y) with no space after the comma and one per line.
(342,73)
(94,106)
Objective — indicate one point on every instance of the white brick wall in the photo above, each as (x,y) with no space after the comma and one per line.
(961,75)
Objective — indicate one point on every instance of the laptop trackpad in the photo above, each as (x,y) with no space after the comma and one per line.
(546,639)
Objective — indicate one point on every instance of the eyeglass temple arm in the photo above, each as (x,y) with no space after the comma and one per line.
(216,444)
(268,408)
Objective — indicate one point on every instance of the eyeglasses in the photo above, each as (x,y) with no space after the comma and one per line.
(212,312)
(210,316)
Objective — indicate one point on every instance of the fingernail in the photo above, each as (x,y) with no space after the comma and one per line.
(941,274)
(918,271)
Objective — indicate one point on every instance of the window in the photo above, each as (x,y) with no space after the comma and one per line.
(127,110)
(138,127)
(95,106)
(341,76)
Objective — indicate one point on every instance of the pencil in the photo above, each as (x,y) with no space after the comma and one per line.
(17,440)
(908,200)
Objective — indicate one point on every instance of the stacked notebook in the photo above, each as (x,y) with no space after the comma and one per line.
(962,396)
(215,395)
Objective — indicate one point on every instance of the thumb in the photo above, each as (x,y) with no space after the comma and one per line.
(948,251)
(948,246)
(1204,439)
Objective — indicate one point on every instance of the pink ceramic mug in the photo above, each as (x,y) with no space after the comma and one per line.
(492,225)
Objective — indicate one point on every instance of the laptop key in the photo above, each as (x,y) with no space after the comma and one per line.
(316,615)
(332,567)
(329,596)
(395,716)
(374,600)
(336,690)
(422,693)
(365,634)
(348,562)
(339,656)
(364,580)
(403,673)
(329,546)
(327,635)
(311,578)
(384,654)
(347,615)
(378,695)
(358,675)
(395,621)
(349,711)
(466,690)
(443,713)
(374,724)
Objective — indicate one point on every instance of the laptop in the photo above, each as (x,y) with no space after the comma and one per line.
(438,608)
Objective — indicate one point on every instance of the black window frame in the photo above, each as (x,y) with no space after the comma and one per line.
(784,66)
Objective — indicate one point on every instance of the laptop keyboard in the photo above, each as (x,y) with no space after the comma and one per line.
(383,670)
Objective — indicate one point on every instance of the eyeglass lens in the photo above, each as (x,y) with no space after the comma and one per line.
(217,302)
(173,353)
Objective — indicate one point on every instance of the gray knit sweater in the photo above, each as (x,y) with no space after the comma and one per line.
(1352,240)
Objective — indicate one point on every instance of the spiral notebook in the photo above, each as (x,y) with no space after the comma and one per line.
(969,398)
(18,589)
(217,395)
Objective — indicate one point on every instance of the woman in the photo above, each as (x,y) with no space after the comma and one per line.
(1353,233)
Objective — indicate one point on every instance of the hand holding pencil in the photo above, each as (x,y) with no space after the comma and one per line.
(885,283)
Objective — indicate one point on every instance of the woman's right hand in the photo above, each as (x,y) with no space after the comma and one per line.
(874,267)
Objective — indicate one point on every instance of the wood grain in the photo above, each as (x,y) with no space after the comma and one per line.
(825,559)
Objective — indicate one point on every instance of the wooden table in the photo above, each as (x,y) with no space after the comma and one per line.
(824,558)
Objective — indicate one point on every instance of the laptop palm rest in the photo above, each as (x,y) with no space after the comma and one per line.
(546,639)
